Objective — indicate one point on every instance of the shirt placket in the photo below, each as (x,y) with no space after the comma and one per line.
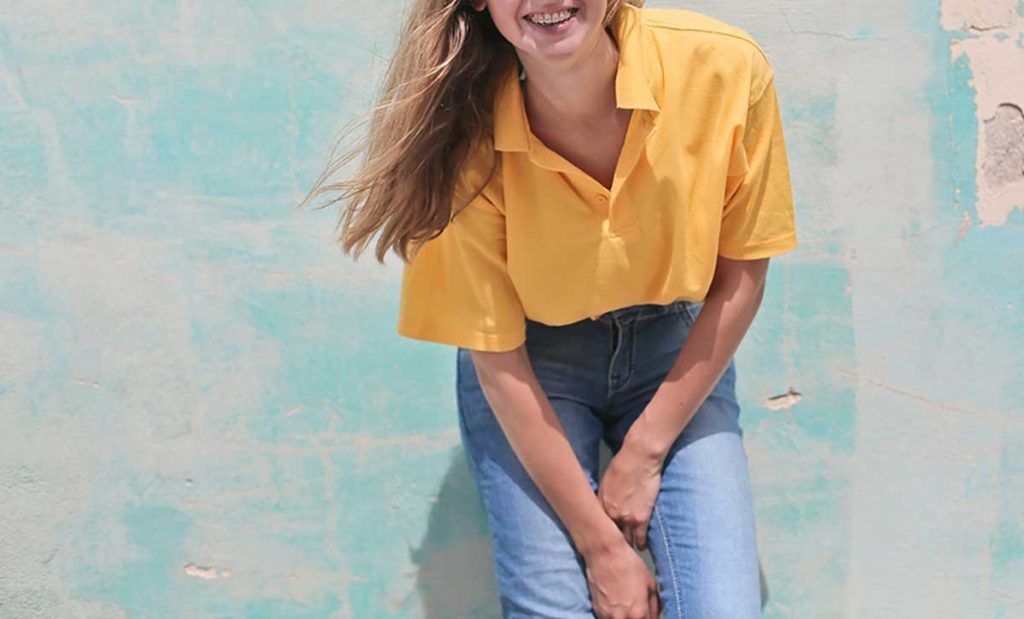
(616,216)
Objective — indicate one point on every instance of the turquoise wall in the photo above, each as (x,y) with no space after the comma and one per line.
(205,410)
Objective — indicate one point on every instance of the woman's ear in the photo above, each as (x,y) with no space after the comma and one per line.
(478,5)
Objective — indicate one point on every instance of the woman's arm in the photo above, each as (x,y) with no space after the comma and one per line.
(539,441)
(616,576)
(728,311)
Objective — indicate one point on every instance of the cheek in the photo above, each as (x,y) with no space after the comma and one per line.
(504,14)
(508,25)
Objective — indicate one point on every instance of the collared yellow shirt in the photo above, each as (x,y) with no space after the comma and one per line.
(702,173)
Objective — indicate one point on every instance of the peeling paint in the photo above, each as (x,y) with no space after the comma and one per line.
(1003,165)
(205,573)
(981,15)
(786,400)
(997,66)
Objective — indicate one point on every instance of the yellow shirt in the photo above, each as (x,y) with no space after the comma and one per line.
(702,173)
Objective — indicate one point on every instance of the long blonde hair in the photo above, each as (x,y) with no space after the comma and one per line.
(434,109)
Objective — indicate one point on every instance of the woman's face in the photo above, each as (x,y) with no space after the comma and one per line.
(574,35)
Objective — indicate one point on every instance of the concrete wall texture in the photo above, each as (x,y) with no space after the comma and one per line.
(205,411)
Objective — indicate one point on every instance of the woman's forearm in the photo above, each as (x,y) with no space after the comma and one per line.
(728,311)
(539,441)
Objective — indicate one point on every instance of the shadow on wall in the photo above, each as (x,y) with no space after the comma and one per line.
(456,571)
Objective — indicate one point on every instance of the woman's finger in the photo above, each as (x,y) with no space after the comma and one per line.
(641,536)
(654,604)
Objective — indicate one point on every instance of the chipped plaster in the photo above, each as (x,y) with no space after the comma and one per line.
(990,35)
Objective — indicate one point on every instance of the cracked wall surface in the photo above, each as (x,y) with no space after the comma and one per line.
(205,410)
(990,35)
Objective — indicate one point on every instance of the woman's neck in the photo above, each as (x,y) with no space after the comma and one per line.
(580,93)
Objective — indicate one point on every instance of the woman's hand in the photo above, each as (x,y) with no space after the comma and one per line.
(628,489)
(621,586)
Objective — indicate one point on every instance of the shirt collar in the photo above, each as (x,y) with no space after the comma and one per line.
(633,88)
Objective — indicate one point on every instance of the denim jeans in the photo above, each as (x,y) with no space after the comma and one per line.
(599,375)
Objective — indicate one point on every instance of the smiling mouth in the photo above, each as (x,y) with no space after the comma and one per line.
(551,19)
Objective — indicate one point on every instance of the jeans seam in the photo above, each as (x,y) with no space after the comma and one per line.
(671,562)
(625,334)
(461,408)
(632,350)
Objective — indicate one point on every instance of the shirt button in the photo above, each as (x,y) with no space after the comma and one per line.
(602,198)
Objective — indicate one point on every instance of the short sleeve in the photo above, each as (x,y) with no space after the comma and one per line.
(456,289)
(757,218)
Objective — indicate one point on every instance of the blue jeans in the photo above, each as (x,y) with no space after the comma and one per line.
(599,375)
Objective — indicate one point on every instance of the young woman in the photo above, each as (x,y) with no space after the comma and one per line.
(586,194)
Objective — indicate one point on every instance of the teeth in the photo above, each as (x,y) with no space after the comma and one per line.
(549,18)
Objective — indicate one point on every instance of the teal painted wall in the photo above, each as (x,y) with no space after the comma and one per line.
(205,410)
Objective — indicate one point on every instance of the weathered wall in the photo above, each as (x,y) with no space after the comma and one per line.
(204,409)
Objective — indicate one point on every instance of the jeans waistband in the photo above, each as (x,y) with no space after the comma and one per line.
(643,310)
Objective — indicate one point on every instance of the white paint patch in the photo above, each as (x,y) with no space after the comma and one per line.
(978,15)
(997,68)
(205,573)
(786,400)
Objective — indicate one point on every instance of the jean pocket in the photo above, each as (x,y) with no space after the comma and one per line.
(692,309)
